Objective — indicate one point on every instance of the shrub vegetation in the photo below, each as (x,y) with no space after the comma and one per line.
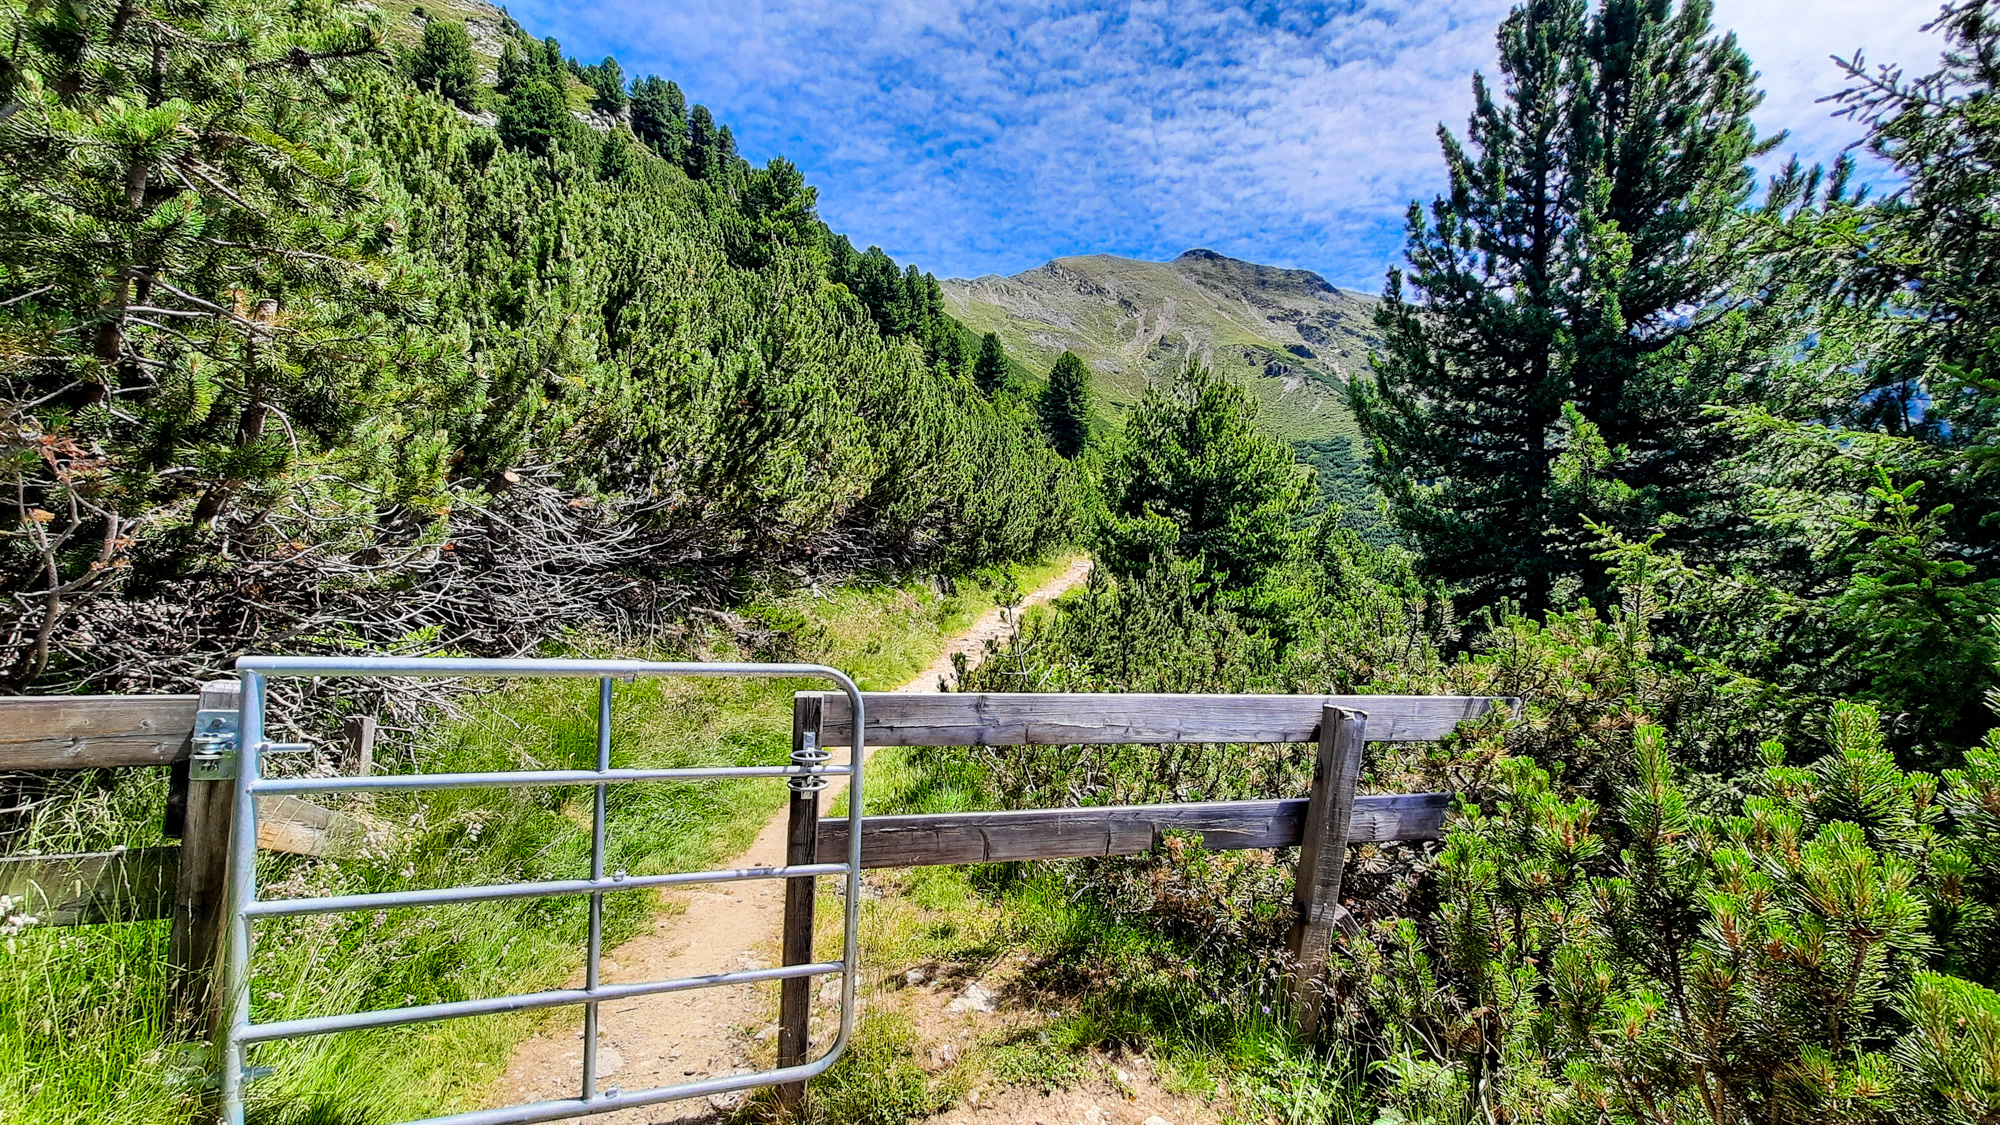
(1734,862)
(287,339)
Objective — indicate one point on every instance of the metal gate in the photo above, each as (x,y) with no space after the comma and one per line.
(221,749)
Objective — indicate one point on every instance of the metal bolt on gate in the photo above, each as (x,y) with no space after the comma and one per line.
(809,769)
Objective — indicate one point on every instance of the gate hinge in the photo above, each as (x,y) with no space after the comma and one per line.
(214,756)
(217,756)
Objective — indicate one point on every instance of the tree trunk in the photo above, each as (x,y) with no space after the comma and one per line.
(250,428)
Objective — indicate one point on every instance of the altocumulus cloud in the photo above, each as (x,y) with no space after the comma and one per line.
(977,136)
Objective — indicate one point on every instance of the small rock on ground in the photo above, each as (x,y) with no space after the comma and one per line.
(975,998)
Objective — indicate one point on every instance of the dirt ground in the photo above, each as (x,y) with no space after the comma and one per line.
(662,1040)
(952,1009)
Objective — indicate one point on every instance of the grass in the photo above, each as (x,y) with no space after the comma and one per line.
(83,1032)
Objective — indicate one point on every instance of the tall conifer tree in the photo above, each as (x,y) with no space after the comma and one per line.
(957,354)
(1924,282)
(989,371)
(1191,480)
(536,117)
(607,86)
(658,117)
(1064,405)
(443,64)
(1581,257)
(513,68)
(703,161)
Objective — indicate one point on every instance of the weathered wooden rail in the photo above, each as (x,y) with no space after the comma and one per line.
(1321,824)
(1079,833)
(183,883)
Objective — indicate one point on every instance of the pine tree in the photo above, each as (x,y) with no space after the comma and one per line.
(776,211)
(255,402)
(185,264)
(957,357)
(1927,278)
(1192,480)
(536,117)
(513,69)
(729,169)
(1583,256)
(841,259)
(917,314)
(703,161)
(677,104)
(614,155)
(882,290)
(443,64)
(989,371)
(1064,405)
(607,86)
(657,118)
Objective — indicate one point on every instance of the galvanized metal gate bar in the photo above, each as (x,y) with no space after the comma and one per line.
(238,1032)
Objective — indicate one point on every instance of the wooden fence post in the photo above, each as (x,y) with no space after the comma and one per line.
(200,895)
(801,846)
(359,733)
(1322,858)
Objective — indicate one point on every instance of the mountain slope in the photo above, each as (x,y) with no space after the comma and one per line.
(1289,335)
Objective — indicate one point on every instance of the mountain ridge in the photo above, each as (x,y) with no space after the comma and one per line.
(1291,336)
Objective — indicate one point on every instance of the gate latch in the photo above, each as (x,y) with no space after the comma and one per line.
(216,755)
(810,755)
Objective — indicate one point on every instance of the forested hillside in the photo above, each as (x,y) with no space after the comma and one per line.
(311,336)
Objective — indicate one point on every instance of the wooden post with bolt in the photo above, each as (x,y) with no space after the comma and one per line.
(801,846)
(195,937)
(1323,858)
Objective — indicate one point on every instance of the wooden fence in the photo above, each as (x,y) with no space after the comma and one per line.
(1321,824)
(184,882)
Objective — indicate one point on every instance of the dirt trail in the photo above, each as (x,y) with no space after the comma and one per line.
(661,1040)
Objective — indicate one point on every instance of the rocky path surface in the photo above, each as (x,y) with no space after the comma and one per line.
(661,1040)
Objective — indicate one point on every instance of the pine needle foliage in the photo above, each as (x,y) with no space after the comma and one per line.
(1645,910)
(1583,261)
(1650,963)
(294,353)
(443,64)
(1192,481)
(989,371)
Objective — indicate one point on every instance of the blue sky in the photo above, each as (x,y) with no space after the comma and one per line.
(988,136)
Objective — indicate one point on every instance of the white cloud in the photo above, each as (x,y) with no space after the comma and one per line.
(989,135)
(1792,44)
